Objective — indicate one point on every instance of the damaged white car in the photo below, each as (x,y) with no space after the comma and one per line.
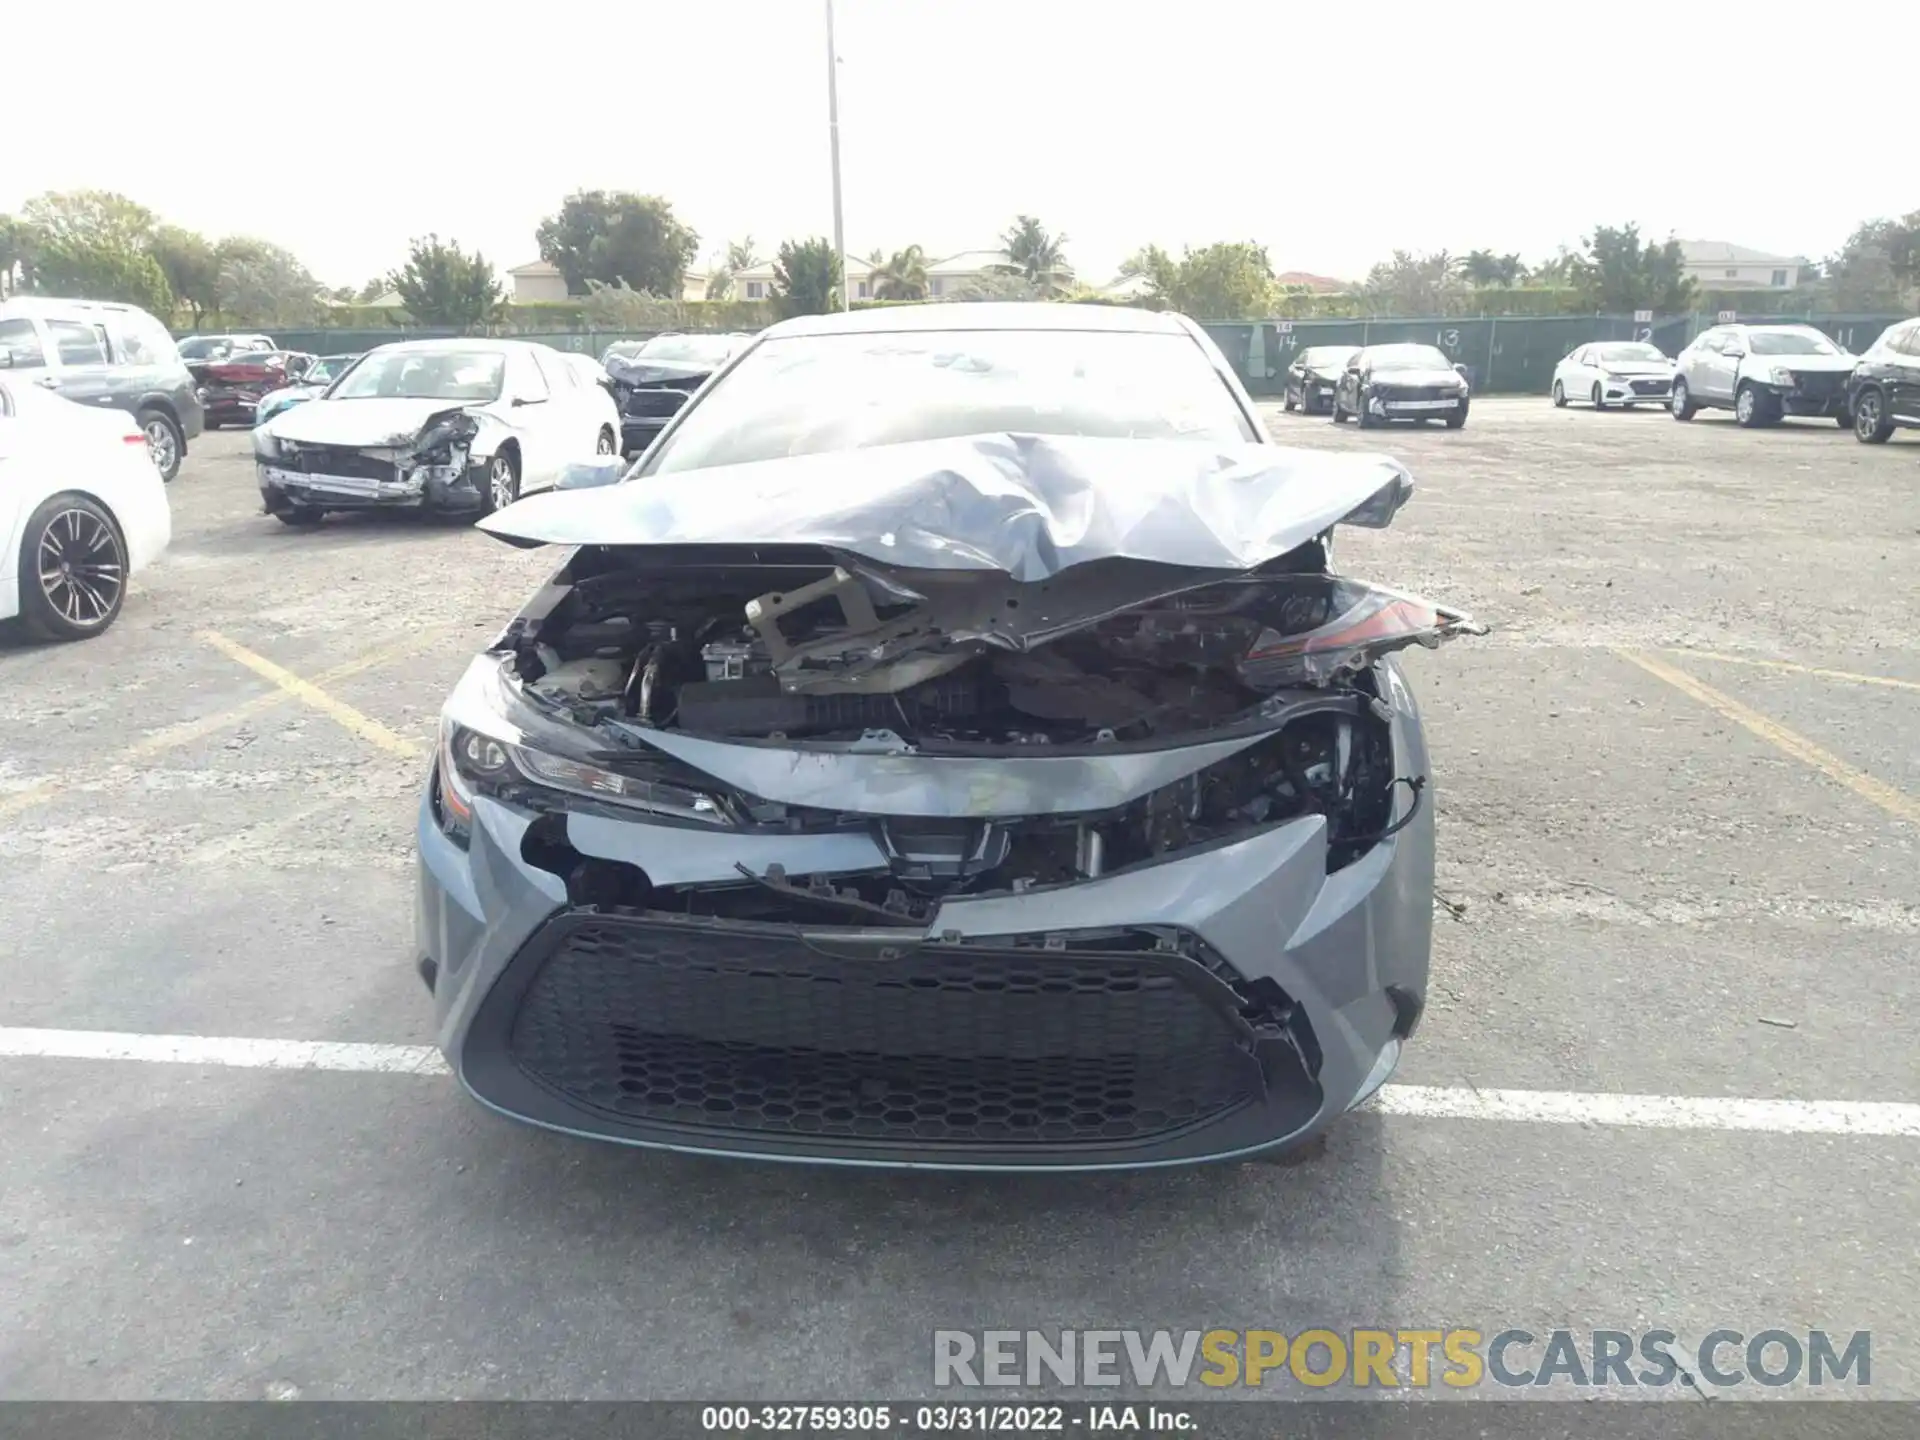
(461,425)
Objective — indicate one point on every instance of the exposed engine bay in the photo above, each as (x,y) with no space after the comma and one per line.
(800,648)
(811,649)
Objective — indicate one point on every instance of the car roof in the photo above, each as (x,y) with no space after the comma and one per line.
(440,343)
(983,315)
(52,305)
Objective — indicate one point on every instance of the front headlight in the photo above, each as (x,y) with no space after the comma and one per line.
(266,446)
(1780,375)
(494,742)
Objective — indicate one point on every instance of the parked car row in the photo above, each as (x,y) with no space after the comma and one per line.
(1762,373)
(1373,384)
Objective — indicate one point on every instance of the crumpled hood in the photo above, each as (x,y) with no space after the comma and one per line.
(1812,364)
(1636,367)
(654,372)
(1028,505)
(372,422)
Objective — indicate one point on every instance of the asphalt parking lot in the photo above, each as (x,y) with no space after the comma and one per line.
(1679,802)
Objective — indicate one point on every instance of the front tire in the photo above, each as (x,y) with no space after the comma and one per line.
(502,484)
(165,445)
(1559,396)
(1363,416)
(1339,415)
(1681,405)
(1457,419)
(1599,397)
(300,517)
(606,444)
(1286,400)
(1751,408)
(1870,423)
(73,569)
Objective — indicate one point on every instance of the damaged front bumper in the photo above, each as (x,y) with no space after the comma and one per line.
(434,469)
(1208,1003)
(434,487)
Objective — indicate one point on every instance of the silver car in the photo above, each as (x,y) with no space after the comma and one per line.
(949,746)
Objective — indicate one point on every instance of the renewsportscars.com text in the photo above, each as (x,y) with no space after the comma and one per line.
(1411,1358)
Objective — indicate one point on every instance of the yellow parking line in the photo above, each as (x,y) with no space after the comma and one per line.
(187,731)
(343,714)
(1850,677)
(1895,802)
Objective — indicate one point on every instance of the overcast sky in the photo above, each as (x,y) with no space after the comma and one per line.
(1330,133)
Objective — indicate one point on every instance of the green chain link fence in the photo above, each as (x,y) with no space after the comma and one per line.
(1512,355)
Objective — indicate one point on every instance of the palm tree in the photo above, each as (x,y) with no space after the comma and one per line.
(1037,255)
(903,276)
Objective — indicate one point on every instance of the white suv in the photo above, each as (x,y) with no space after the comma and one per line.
(1761,373)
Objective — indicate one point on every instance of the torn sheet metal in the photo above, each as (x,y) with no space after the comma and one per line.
(1030,506)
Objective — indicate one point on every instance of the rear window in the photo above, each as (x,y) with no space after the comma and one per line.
(22,343)
(810,394)
(142,340)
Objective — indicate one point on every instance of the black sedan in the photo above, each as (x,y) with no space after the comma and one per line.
(1401,382)
(1313,376)
(1883,393)
(652,382)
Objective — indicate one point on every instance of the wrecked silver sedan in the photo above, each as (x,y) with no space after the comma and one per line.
(950,746)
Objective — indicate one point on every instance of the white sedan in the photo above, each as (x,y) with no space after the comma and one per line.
(1614,372)
(81,510)
(460,425)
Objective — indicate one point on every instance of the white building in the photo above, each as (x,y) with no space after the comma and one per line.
(1720,265)
(536,280)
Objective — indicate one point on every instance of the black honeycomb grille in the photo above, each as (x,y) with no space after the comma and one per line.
(653,404)
(748,1028)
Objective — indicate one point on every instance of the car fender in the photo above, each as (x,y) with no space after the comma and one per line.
(493,433)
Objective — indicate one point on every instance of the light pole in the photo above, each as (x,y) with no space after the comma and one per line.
(833,136)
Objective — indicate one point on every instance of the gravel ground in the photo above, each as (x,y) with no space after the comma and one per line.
(1650,899)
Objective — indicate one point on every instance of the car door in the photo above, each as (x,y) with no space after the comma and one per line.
(83,362)
(1577,374)
(531,413)
(1719,363)
(1903,373)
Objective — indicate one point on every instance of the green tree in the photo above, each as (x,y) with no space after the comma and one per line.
(739,255)
(1878,267)
(263,284)
(806,277)
(1484,269)
(1619,274)
(441,284)
(1036,255)
(94,245)
(902,275)
(616,236)
(191,267)
(1229,280)
(372,290)
(1409,284)
(19,245)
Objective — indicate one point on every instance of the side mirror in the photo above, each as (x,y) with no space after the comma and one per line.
(1734,352)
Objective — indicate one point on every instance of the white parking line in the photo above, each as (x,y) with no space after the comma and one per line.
(1441,1102)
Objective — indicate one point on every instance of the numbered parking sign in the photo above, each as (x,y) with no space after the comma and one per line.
(1285,327)
(1726,317)
(1643,317)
